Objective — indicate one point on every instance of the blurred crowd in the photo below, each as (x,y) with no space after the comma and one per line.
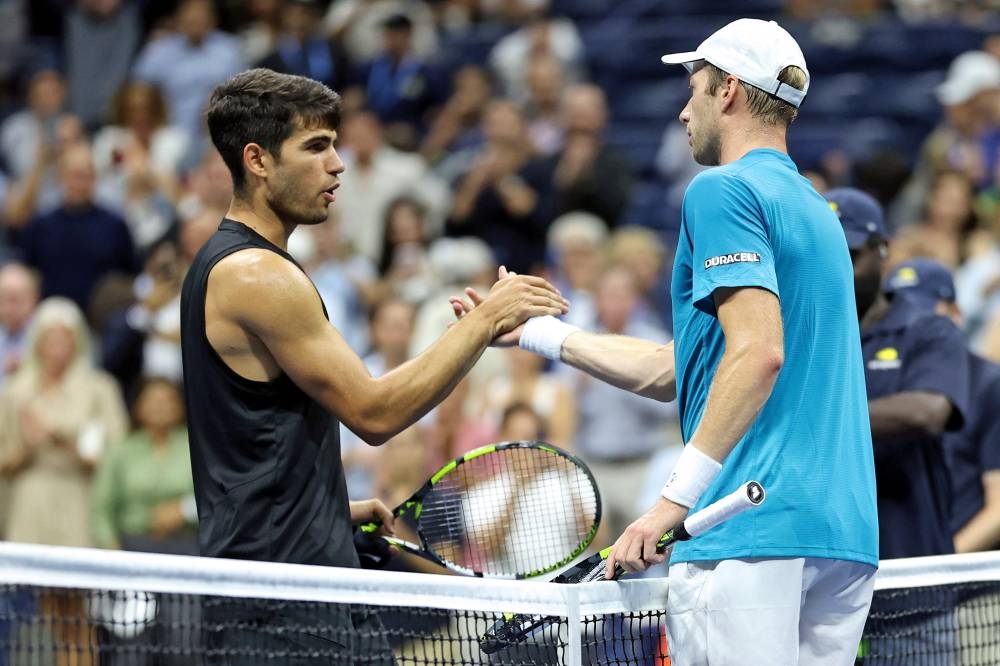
(109,186)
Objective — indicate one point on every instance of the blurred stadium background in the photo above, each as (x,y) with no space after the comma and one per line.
(108,186)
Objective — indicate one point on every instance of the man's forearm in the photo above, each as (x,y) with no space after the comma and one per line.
(981,533)
(639,366)
(908,413)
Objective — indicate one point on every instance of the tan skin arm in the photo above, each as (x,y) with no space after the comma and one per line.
(639,366)
(281,328)
(751,321)
(982,532)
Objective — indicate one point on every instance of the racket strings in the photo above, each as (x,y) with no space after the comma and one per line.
(510,513)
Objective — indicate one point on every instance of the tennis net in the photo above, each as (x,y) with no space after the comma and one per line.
(81,607)
(935,611)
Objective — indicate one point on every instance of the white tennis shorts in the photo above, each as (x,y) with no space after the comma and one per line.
(780,612)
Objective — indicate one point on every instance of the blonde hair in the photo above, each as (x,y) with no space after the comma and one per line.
(768,108)
(632,239)
(52,312)
(577,226)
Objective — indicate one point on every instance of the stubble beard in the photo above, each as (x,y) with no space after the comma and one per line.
(283,202)
(708,151)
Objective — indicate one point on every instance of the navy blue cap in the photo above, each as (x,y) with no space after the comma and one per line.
(922,281)
(859,213)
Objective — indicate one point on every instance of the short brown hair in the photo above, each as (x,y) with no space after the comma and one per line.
(769,109)
(264,107)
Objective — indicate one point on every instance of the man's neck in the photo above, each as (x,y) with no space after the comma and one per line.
(261,219)
(743,140)
(876,312)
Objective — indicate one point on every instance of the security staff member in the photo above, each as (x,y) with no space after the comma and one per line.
(973,454)
(917,373)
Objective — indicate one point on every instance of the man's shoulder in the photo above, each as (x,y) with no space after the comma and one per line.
(256,268)
(712,182)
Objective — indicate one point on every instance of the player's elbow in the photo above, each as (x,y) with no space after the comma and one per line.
(663,389)
(374,432)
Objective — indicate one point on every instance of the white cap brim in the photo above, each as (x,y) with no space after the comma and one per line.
(681,58)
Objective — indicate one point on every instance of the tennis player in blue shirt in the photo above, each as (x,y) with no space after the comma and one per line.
(767,371)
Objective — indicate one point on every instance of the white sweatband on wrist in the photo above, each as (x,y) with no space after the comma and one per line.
(545,336)
(692,475)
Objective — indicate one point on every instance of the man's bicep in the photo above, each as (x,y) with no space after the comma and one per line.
(731,241)
(750,315)
(285,313)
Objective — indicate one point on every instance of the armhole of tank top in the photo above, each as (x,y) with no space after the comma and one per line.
(245,382)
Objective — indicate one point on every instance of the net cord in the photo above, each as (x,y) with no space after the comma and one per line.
(92,569)
(938,570)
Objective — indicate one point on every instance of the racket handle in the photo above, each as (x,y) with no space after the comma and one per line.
(747,496)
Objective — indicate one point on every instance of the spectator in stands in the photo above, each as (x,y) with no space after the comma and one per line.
(504,197)
(391,331)
(101,38)
(675,166)
(259,33)
(358,24)
(589,174)
(619,432)
(142,339)
(968,139)
(344,279)
(24,131)
(542,108)
(79,242)
(947,230)
(19,293)
(207,186)
(541,35)
(576,245)
(375,174)
(138,156)
(526,382)
(457,262)
(30,143)
(917,374)
(974,453)
(56,414)
(404,266)
(189,63)
(142,497)
(457,125)
(302,49)
(520,422)
(401,88)
(643,253)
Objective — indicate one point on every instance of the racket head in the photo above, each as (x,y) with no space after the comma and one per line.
(516,509)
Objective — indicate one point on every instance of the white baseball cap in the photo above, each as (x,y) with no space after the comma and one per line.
(969,74)
(754,51)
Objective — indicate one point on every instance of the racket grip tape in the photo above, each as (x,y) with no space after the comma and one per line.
(747,496)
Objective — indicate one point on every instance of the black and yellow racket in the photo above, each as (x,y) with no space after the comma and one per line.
(509,510)
(514,628)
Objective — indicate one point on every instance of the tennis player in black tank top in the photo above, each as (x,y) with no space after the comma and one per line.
(268,378)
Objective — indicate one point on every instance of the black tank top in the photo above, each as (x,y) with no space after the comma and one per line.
(265,456)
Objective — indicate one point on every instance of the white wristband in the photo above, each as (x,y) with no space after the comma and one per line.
(545,336)
(692,475)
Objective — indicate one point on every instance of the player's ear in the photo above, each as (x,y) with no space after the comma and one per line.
(729,89)
(256,160)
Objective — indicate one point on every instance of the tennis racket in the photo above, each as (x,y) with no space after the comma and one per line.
(515,628)
(510,510)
